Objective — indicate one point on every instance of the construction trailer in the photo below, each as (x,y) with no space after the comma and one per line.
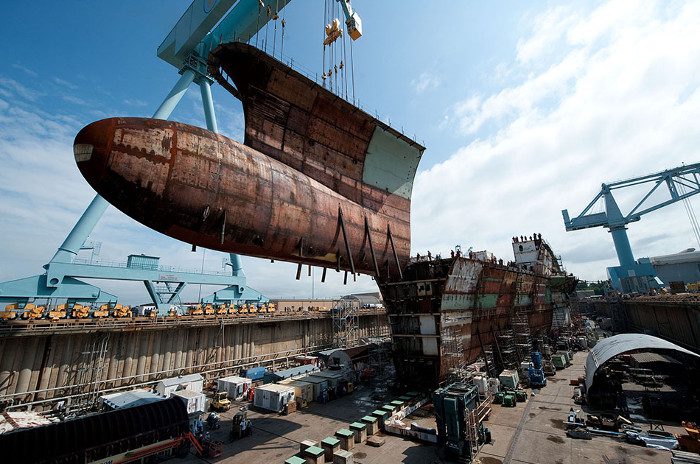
(194,382)
(273,397)
(235,386)
(194,402)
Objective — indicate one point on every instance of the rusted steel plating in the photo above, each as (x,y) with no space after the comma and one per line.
(210,191)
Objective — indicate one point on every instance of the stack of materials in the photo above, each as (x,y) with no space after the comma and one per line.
(684,457)
(509,379)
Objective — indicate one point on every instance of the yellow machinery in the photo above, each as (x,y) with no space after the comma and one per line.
(121,311)
(103,311)
(243,309)
(263,308)
(59,312)
(232,309)
(221,402)
(209,310)
(10,312)
(172,312)
(79,311)
(271,308)
(222,310)
(32,311)
(195,310)
(693,288)
(252,308)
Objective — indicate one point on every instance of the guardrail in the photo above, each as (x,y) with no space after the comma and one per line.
(23,327)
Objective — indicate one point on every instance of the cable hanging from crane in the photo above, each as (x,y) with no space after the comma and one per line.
(691,213)
(335,60)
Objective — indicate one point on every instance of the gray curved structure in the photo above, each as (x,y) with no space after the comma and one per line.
(610,347)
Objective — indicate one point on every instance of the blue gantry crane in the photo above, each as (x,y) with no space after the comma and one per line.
(204,25)
(635,275)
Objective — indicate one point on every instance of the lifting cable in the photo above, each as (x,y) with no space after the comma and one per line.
(274,36)
(323,30)
(343,66)
(284,23)
(691,213)
(352,73)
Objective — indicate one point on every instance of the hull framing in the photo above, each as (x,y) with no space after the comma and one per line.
(445,313)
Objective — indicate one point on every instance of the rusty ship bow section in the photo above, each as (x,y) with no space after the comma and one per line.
(298,122)
(317,180)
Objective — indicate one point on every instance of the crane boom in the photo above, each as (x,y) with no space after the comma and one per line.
(681,182)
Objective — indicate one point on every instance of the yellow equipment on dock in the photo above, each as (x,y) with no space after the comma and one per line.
(121,311)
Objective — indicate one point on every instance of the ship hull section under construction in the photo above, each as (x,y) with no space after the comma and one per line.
(446,313)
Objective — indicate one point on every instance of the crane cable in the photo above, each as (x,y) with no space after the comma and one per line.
(275,15)
(691,213)
(283,23)
(325,15)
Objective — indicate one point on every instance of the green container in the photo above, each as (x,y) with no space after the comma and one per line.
(520,395)
(559,361)
(509,400)
(498,398)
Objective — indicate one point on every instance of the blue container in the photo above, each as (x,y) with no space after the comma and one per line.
(536,358)
(255,373)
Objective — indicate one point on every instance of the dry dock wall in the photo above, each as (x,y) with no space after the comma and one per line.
(672,318)
(54,362)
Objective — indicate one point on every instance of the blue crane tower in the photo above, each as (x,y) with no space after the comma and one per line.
(635,275)
(204,25)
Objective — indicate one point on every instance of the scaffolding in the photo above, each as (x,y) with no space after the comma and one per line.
(521,322)
(345,323)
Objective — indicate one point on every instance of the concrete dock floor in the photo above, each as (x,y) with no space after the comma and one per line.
(533,432)
(276,438)
(530,433)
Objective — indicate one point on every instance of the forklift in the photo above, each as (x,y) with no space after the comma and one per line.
(241,426)
(221,402)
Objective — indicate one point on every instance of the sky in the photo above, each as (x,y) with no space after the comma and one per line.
(525,109)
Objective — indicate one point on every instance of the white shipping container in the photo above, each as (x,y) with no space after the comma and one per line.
(494,386)
(195,402)
(193,382)
(235,386)
(273,397)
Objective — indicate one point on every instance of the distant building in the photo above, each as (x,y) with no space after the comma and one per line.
(678,267)
(365,300)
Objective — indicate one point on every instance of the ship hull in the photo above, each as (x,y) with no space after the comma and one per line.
(208,190)
(446,313)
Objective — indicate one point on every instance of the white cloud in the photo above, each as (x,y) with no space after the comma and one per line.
(426,81)
(604,94)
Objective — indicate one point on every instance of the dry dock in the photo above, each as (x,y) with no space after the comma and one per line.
(530,433)
(533,432)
